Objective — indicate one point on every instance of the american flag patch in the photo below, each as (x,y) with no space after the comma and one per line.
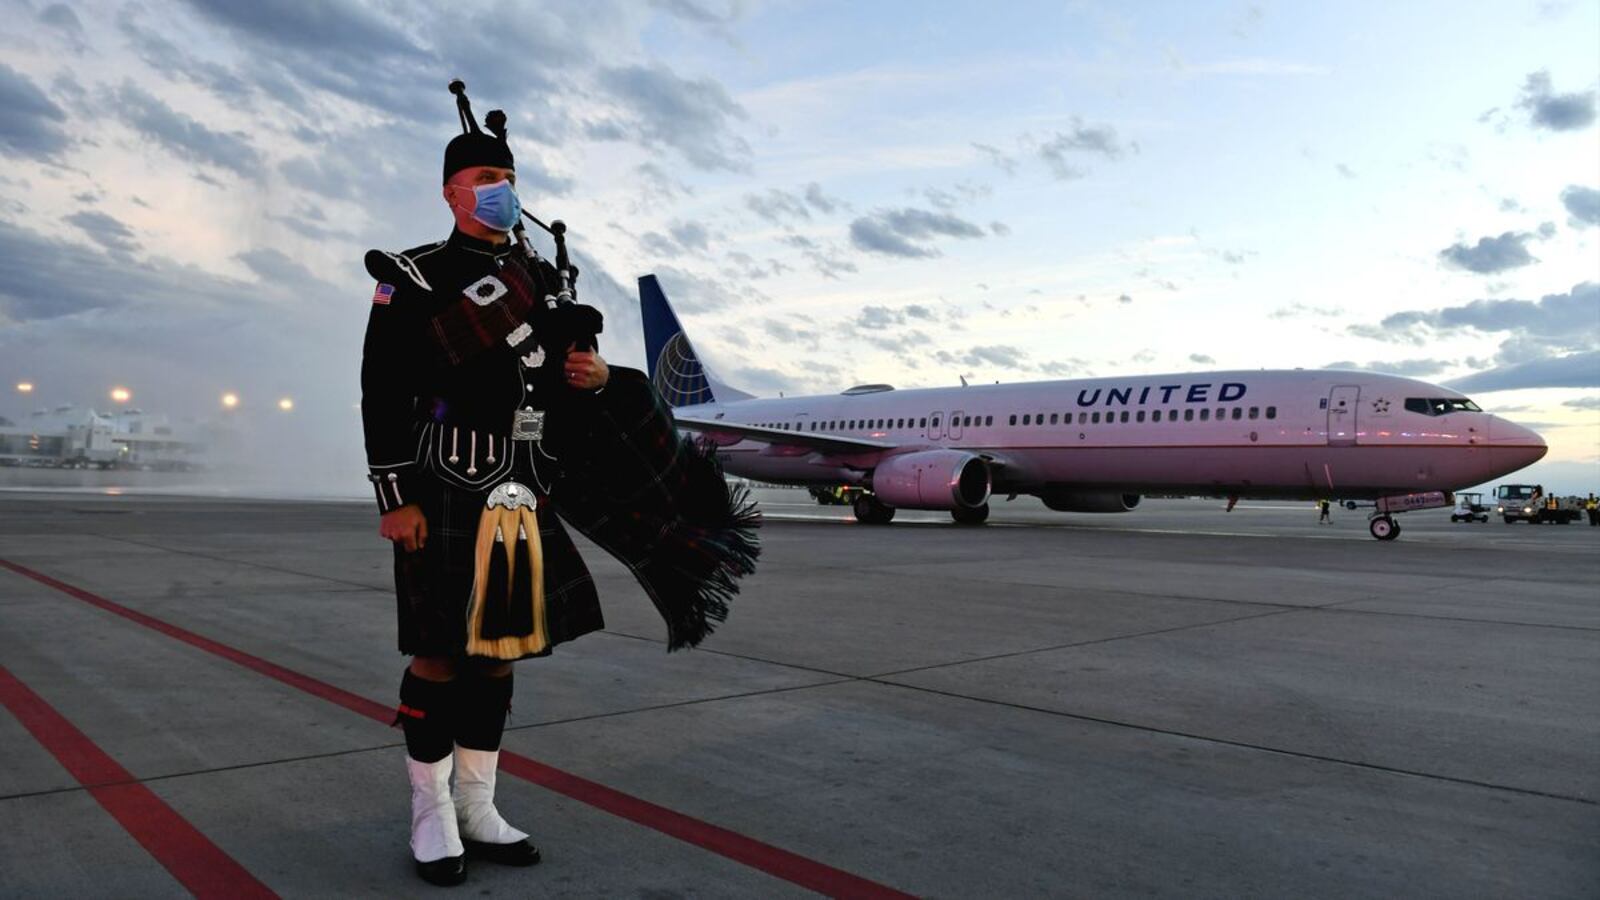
(383,293)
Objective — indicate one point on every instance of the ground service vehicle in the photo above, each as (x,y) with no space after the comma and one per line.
(1528,503)
(1469,508)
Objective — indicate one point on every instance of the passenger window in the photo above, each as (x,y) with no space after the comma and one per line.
(1027,420)
(1155,415)
(1140,416)
(1038,419)
(1053,418)
(936,421)
(1238,413)
(1095,418)
(988,420)
(1205,415)
(1255,412)
(1272,412)
(1124,418)
(1013,418)
(924,421)
(1188,415)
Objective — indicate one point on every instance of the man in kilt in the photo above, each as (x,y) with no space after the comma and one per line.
(486,413)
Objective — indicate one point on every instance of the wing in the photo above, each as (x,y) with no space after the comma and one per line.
(732,433)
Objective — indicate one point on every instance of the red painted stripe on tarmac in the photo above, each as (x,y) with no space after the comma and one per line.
(199,865)
(775,861)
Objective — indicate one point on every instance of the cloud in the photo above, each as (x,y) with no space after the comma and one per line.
(1491,254)
(879,317)
(1583,205)
(1299,310)
(694,293)
(105,231)
(30,125)
(1557,112)
(999,159)
(905,232)
(1124,299)
(699,15)
(162,55)
(1410,368)
(1201,359)
(682,238)
(777,206)
(1554,316)
(820,201)
(1583,403)
(183,136)
(827,259)
(692,116)
(61,17)
(1095,140)
(1004,356)
(1575,370)
(43,278)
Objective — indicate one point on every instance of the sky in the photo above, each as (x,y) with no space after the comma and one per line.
(831,193)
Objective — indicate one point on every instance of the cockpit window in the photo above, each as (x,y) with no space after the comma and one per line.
(1439,406)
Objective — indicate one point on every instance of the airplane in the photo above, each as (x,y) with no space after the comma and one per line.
(1097,444)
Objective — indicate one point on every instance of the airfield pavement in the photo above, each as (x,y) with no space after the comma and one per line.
(1175,702)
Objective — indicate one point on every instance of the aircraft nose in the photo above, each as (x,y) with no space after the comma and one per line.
(1512,446)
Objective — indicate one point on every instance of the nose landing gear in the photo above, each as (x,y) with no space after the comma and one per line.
(1384,528)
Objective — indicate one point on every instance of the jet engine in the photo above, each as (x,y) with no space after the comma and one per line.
(1089,501)
(932,479)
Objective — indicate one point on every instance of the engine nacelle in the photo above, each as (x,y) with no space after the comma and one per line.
(1089,501)
(932,479)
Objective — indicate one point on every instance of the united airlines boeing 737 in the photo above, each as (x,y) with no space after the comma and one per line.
(1098,444)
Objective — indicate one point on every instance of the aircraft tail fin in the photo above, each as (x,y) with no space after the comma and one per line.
(675,370)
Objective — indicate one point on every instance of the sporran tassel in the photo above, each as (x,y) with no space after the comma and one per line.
(506,614)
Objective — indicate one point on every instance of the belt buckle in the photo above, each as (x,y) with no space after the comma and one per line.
(528,425)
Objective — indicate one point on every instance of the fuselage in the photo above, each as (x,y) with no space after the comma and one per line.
(1296,433)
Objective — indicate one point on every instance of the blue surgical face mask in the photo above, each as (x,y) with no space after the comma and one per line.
(497,206)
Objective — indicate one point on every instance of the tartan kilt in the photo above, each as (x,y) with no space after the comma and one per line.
(433,585)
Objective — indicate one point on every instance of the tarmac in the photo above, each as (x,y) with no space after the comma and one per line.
(1177,702)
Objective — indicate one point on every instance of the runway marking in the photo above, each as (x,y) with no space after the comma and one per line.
(783,864)
(202,867)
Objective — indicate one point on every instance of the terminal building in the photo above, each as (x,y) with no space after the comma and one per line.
(74,437)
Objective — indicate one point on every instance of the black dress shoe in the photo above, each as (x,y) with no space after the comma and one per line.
(519,853)
(447,872)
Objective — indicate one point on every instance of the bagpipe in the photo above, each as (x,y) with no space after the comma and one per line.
(549,293)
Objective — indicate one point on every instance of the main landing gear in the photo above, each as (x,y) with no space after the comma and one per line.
(977,515)
(870,511)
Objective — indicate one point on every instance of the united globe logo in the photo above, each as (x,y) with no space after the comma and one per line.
(680,378)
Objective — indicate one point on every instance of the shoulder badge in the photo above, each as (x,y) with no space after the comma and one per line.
(383,294)
(393,268)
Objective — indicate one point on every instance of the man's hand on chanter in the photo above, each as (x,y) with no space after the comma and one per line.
(585,369)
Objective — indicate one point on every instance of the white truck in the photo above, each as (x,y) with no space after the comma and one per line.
(1528,503)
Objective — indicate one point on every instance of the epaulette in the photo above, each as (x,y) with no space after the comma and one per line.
(389,267)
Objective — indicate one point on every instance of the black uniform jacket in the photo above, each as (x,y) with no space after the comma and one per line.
(611,463)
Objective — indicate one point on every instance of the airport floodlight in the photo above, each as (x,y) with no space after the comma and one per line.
(230,400)
(24,387)
(121,394)
(286,404)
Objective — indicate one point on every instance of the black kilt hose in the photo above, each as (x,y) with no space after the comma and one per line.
(433,584)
